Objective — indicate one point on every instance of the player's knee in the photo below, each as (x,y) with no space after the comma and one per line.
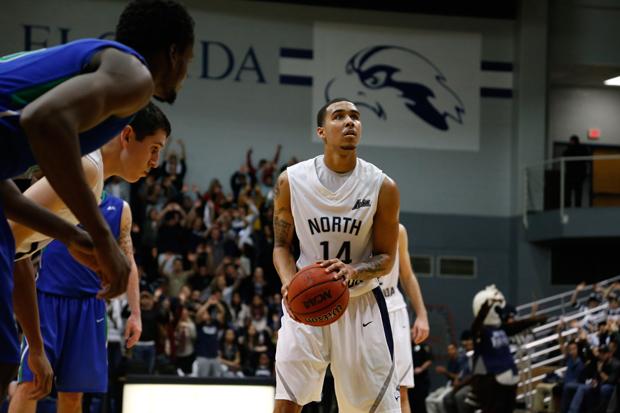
(72,399)
(286,406)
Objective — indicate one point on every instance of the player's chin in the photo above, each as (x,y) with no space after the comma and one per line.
(168,97)
(347,147)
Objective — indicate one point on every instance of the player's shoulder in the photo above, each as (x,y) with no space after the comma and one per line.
(300,168)
(369,169)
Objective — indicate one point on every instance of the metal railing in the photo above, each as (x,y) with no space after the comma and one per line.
(559,304)
(543,353)
(544,191)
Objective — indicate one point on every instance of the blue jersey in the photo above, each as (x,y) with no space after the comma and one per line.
(61,274)
(9,346)
(26,76)
(493,351)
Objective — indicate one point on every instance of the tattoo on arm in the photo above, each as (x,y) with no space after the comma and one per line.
(276,188)
(373,267)
(124,241)
(281,230)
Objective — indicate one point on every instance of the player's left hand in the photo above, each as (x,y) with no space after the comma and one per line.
(133,330)
(340,269)
(420,330)
(42,372)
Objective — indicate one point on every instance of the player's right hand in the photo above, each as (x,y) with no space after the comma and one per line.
(42,372)
(284,292)
(114,267)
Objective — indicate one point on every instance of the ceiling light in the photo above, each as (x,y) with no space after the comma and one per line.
(614,81)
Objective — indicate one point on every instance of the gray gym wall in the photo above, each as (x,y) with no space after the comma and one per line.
(453,202)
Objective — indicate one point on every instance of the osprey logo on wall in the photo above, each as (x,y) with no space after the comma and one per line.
(373,80)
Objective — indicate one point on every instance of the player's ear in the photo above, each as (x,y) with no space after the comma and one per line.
(126,135)
(320,131)
(173,54)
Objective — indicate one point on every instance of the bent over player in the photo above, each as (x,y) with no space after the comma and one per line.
(130,155)
(345,213)
(64,101)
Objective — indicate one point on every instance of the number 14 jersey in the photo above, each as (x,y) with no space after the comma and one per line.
(335,224)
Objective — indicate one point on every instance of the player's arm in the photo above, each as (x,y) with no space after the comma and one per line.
(283,230)
(27,313)
(21,210)
(133,329)
(42,193)
(120,86)
(410,284)
(384,239)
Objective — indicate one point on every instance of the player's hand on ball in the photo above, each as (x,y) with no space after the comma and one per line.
(420,330)
(42,372)
(113,267)
(81,247)
(284,292)
(340,269)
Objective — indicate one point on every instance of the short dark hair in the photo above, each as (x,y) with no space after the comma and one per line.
(150,26)
(149,120)
(320,116)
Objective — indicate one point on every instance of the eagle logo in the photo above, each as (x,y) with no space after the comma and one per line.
(376,75)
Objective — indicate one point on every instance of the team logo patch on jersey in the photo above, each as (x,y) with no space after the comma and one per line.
(361,203)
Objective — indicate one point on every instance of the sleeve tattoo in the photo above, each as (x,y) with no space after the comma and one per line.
(281,230)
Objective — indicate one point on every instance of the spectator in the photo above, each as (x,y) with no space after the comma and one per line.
(207,340)
(174,167)
(435,400)
(144,352)
(264,367)
(230,356)
(574,369)
(422,361)
(177,277)
(455,401)
(185,335)
(576,171)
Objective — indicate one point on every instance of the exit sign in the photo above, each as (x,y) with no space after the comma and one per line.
(594,134)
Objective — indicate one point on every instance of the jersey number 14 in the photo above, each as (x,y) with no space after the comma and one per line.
(344,253)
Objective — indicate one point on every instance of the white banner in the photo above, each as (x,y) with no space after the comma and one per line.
(413,88)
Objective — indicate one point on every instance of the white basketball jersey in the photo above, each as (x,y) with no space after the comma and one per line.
(389,286)
(37,241)
(335,224)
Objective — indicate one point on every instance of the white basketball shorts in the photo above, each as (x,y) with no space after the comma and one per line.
(403,359)
(359,348)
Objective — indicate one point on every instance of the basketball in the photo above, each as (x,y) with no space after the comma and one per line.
(315,298)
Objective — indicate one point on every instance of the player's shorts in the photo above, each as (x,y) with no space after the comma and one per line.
(74,334)
(9,344)
(403,359)
(359,347)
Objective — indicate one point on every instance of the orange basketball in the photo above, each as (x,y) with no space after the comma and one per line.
(316,298)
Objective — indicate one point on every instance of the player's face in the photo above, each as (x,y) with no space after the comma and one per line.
(172,81)
(139,157)
(342,127)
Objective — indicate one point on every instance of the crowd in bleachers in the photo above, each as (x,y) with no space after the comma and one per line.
(591,367)
(209,293)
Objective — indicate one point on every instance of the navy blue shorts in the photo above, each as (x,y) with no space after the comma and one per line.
(9,344)
(74,333)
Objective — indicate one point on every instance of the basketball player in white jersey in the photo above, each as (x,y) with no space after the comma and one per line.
(345,213)
(399,317)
